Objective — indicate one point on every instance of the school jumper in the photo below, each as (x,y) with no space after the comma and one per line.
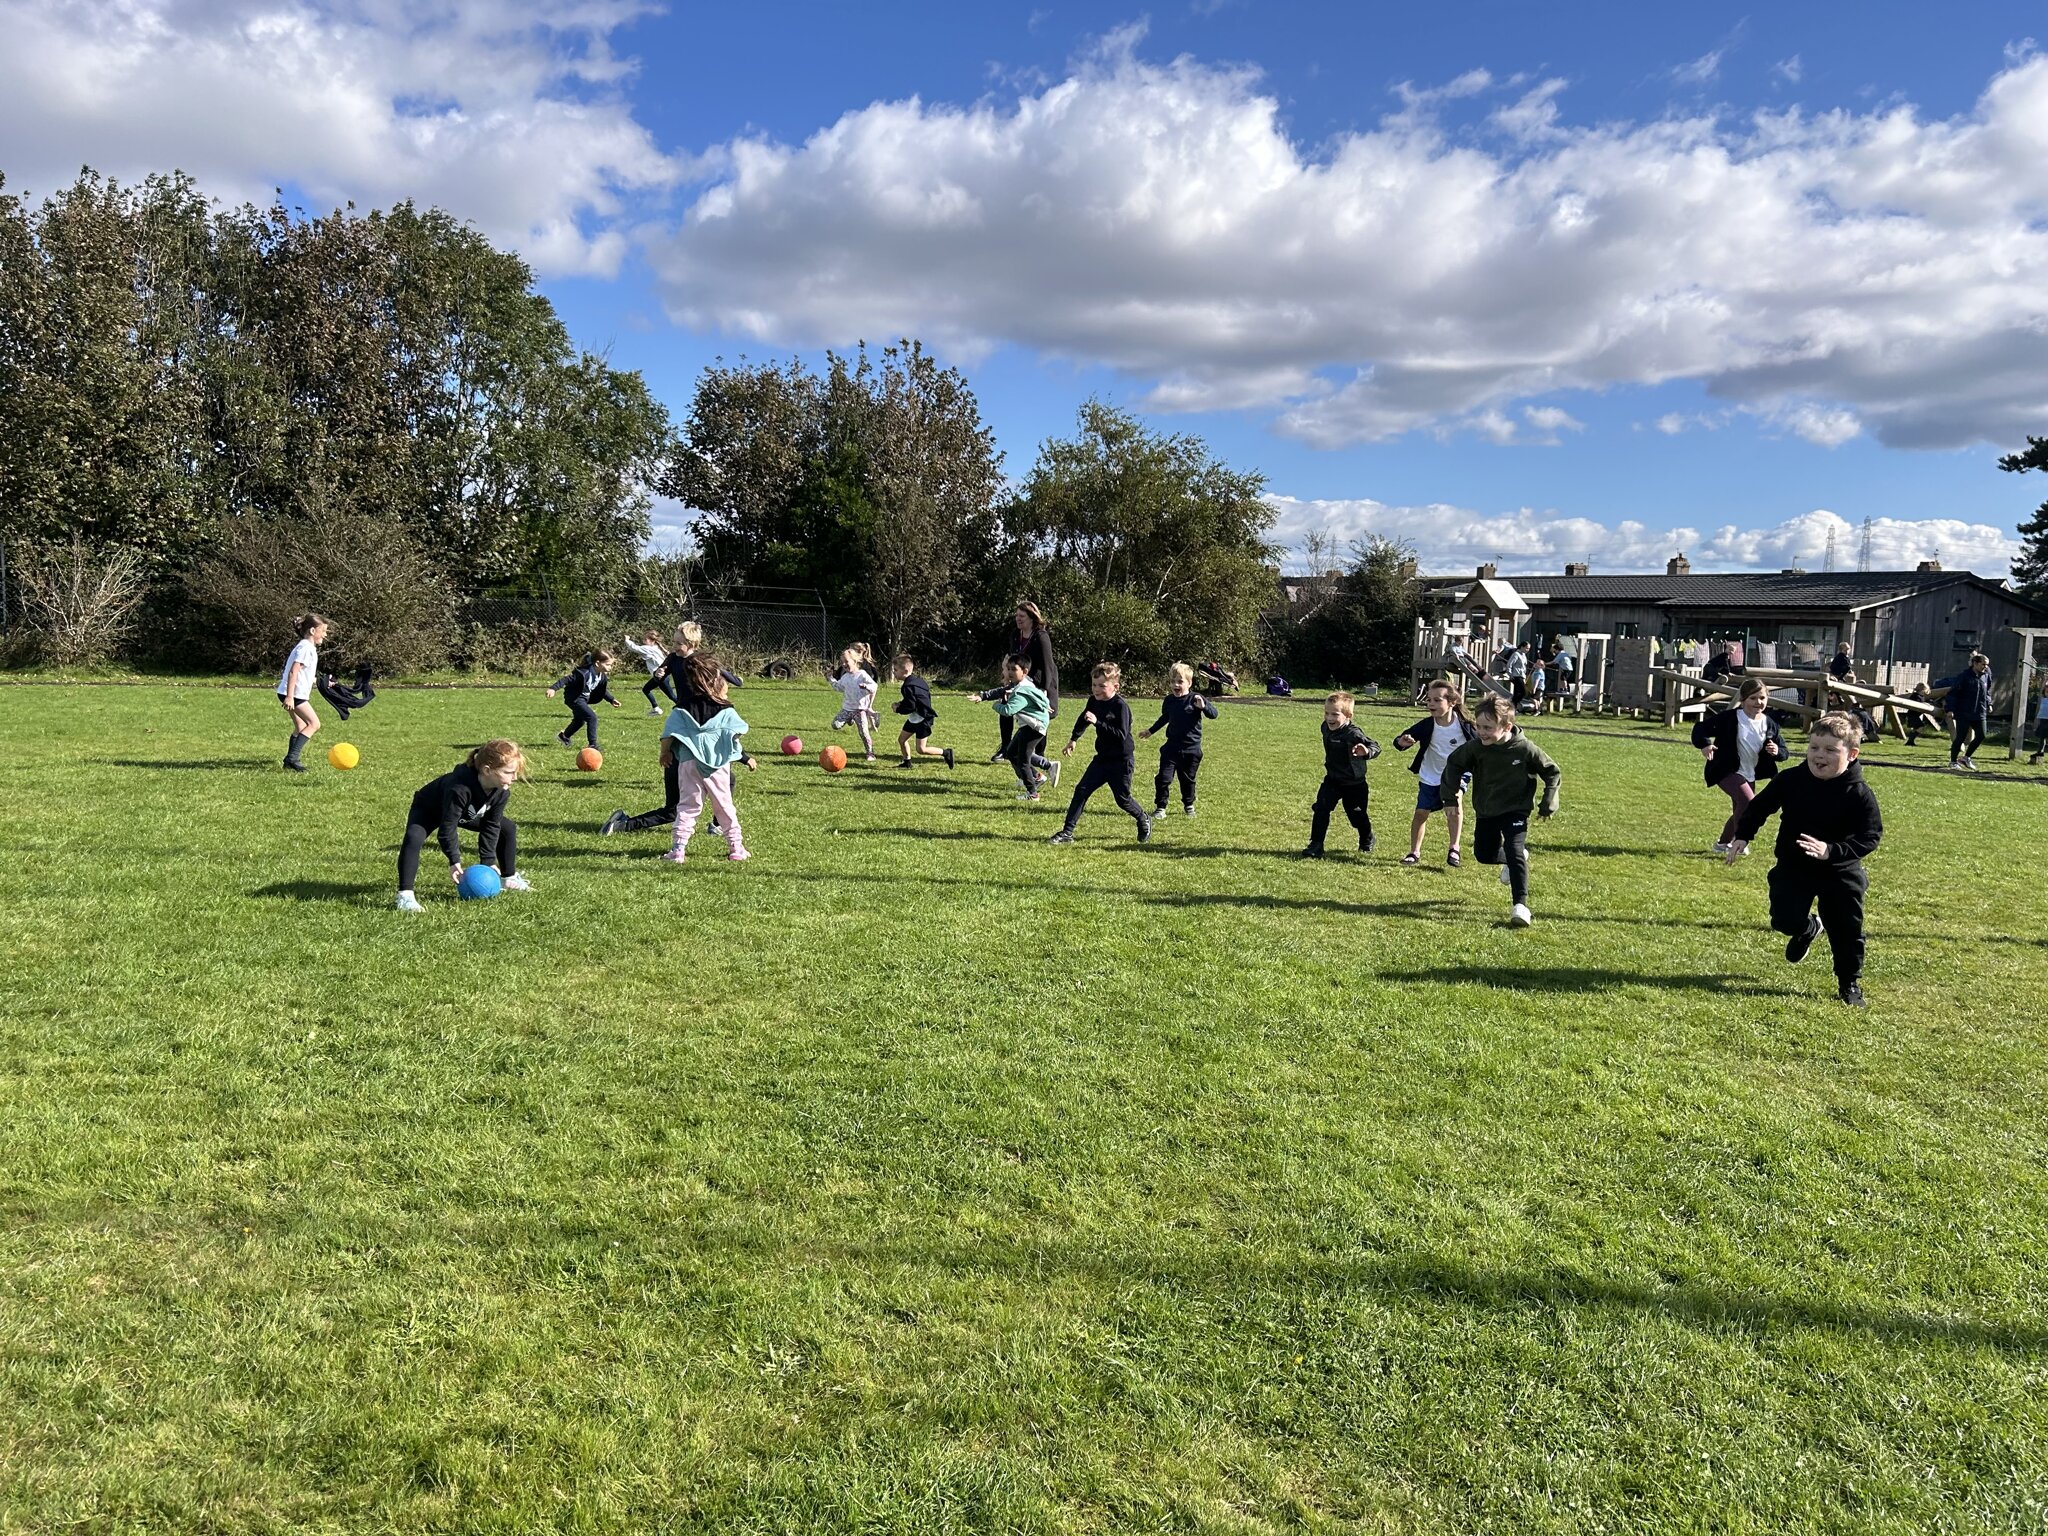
(583,688)
(1116,756)
(1180,757)
(1504,778)
(1841,812)
(454,803)
(1343,784)
(1741,760)
(916,707)
(1968,703)
(1026,713)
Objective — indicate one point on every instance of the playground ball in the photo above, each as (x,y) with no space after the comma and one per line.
(832,759)
(792,745)
(343,755)
(479,883)
(590,759)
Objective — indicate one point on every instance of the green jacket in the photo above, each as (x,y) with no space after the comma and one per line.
(1028,704)
(1504,775)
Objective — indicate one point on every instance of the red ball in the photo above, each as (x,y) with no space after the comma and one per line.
(590,759)
(832,759)
(792,746)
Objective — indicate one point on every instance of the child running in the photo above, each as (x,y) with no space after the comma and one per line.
(683,645)
(347,701)
(295,687)
(700,707)
(1182,712)
(586,685)
(2040,724)
(648,649)
(704,750)
(1024,705)
(1740,746)
(1830,826)
(918,715)
(1435,738)
(857,687)
(1346,751)
(471,797)
(1116,752)
(1505,766)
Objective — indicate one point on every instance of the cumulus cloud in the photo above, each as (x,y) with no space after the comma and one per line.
(1881,269)
(505,112)
(1450,539)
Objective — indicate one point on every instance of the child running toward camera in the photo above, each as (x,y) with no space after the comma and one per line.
(1181,712)
(471,797)
(1505,767)
(1435,738)
(857,686)
(1346,751)
(1025,706)
(1116,752)
(703,749)
(919,716)
(1740,747)
(295,687)
(586,685)
(1829,827)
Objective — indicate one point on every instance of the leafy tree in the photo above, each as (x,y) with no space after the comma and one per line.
(2030,570)
(1361,628)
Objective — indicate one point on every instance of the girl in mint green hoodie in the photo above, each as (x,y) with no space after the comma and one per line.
(1024,704)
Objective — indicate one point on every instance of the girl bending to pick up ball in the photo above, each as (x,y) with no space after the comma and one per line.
(472,795)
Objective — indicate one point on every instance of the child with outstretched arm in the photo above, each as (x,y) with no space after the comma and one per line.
(1116,752)
(1346,751)
(856,686)
(1828,827)
(1025,705)
(584,686)
(1435,737)
(1506,766)
(1181,712)
(915,706)
(649,649)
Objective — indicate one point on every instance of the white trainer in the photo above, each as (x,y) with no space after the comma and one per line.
(1518,916)
(518,883)
(407,902)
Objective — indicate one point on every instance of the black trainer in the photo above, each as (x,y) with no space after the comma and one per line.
(1310,852)
(1797,946)
(1367,843)
(1852,994)
(1144,829)
(1061,836)
(948,755)
(612,823)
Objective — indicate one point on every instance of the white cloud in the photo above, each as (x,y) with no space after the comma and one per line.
(1552,419)
(1829,429)
(1790,71)
(1702,70)
(1450,539)
(504,112)
(1159,219)
(1671,423)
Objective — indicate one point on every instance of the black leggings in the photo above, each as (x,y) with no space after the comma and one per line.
(346,699)
(672,789)
(581,717)
(1174,764)
(1505,840)
(1115,772)
(417,836)
(1025,747)
(658,684)
(1838,892)
(1968,737)
(1356,800)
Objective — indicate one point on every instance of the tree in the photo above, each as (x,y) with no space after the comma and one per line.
(2030,570)
(1361,627)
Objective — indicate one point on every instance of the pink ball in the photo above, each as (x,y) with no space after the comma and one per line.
(792,746)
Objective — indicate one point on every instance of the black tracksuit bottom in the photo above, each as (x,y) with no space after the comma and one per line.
(1176,763)
(1505,840)
(1114,772)
(1355,797)
(1025,749)
(581,718)
(654,685)
(1969,735)
(418,834)
(1797,887)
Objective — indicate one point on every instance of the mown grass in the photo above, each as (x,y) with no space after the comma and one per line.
(917,1176)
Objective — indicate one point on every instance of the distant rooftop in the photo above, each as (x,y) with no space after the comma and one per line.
(1735,589)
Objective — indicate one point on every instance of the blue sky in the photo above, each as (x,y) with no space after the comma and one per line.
(1506,281)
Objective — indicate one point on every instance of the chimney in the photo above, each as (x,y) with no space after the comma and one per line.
(1678,565)
(1409,570)
(1488,571)
(1576,568)
(1792,570)
(1928,565)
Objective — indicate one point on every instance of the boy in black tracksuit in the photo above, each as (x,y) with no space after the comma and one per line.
(918,714)
(1182,712)
(1116,752)
(1830,826)
(586,685)
(1346,751)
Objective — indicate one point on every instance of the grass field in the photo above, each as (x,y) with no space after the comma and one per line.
(918,1176)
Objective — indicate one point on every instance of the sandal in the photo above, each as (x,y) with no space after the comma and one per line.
(1411,858)
(1452,859)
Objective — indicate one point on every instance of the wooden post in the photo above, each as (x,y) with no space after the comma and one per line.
(2024,688)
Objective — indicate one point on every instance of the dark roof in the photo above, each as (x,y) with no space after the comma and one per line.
(1815,589)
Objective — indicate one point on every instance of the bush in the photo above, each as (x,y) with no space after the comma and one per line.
(77,603)
(390,606)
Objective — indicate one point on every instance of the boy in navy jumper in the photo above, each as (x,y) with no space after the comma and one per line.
(586,685)
(1346,751)
(1830,825)
(918,715)
(1116,752)
(1182,712)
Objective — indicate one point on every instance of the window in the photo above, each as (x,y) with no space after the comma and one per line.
(1964,640)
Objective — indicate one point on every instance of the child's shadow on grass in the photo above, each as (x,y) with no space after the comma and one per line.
(208,764)
(1583,979)
(318,890)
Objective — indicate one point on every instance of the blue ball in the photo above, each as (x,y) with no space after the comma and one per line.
(479,882)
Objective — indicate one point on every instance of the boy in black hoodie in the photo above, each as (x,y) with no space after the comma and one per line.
(583,688)
(1346,751)
(1116,752)
(1181,712)
(1830,825)
(918,715)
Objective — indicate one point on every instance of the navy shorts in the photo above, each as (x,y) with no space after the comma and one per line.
(1430,797)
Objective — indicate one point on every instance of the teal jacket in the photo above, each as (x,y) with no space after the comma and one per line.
(1504,775)
(712,745)
(1027,704)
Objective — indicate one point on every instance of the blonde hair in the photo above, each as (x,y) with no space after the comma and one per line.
(1180,672)
(1343,701)
(1840,726)
(1108,670)
(691,633)
(1495,708)
(866,654)
(903,660)
(497,754)
(849,659)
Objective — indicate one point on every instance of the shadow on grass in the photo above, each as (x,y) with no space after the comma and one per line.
(323,890)
(208,764)
(1584,979)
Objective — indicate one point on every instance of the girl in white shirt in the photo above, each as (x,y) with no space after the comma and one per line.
(295,686)
(856,685)
(1439,736)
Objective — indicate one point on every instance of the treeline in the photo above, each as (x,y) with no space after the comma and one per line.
(212,418)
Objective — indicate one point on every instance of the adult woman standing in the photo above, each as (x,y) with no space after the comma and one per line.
(1033,641)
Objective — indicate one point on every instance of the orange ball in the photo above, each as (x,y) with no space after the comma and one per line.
(590,759)
(832,759)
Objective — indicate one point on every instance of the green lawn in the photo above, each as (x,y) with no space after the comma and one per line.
(918,1176)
